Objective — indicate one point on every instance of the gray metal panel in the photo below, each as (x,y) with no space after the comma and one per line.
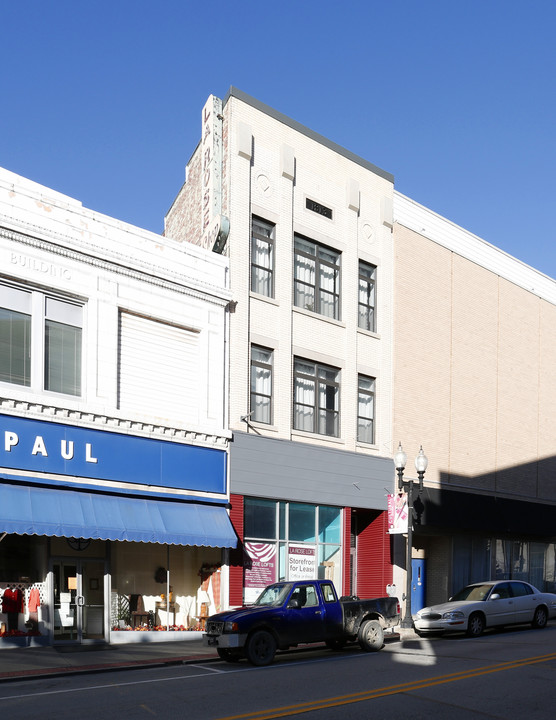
(286,470)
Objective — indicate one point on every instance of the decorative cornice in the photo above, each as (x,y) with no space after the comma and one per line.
(150,274)
(100,421)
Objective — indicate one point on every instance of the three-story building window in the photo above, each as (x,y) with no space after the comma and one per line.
(366,409)
(261,384)
(40,341)
(367,296)
(262,257)
(316,398)
(316,278)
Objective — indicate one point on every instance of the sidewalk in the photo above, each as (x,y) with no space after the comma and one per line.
(34,662)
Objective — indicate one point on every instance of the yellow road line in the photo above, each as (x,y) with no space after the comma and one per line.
(288,710)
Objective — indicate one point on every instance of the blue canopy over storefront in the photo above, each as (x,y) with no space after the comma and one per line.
(28,510)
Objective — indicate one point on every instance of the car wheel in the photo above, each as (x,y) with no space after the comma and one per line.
(335,645)
(540,618)
(231,656)
(370,636)
(476,625)
(260,648)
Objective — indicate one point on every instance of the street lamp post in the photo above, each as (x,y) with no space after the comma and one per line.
(421,462)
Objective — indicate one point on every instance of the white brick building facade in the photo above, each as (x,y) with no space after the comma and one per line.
(303,189)
(113,419)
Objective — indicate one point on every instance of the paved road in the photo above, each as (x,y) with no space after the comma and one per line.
(501,675)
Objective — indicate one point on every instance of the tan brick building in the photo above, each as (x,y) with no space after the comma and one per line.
(475,382)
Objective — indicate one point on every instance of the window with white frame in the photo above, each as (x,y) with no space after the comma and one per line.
(276,531)
(366,409)
(367,296)
(261,384)
(316,278)
(316,398)
(40,340)
(262,257)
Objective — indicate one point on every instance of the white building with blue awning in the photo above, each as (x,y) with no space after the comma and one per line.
(113,436)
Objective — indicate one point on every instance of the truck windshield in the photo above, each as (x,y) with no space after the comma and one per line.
(274,594)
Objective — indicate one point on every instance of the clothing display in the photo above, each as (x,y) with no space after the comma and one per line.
(12,605)
(34,600)
(12,601)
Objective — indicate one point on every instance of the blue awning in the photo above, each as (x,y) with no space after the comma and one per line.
(26,510)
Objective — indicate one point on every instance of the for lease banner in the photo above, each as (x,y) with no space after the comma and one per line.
(302,562)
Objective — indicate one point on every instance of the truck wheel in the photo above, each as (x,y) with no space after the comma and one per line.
(260,648)
(370,636)
(228,655)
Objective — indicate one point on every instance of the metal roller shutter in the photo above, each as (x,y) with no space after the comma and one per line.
(158,368)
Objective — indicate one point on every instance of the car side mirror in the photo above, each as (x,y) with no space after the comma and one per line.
(294,603)
(495,596)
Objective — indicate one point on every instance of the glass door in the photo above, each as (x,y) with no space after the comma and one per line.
(78,600)
(92,599)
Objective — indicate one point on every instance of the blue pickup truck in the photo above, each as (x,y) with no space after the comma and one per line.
(287,614)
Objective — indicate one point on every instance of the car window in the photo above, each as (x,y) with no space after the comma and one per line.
(312,598)
(328,593)
(503,589)
(519,589)
(306,595)
(472,592)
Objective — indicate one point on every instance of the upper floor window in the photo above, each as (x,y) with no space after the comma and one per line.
(367,299)
(262,257)
(40,341)
(316,278)
(366,409)
(261,384)
(316,398)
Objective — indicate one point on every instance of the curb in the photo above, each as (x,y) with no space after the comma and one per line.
(38,673)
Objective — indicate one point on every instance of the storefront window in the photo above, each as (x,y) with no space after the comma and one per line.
(329,525)
(282,513)
(302,522)
(290,541)
(471,560)
(158,587)
(260,518)
(476,559)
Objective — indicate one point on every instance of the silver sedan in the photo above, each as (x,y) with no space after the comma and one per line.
(488,604)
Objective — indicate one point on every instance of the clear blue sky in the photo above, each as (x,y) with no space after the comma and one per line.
(101,100)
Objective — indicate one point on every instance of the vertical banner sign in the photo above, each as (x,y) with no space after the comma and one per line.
(211,171)
(397,513)
(262,570)
(302,562)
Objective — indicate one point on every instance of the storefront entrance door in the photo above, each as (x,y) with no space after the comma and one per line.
(78,600)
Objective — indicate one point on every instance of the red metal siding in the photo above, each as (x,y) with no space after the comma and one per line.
(346,590)
(374,563)
(236,555)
